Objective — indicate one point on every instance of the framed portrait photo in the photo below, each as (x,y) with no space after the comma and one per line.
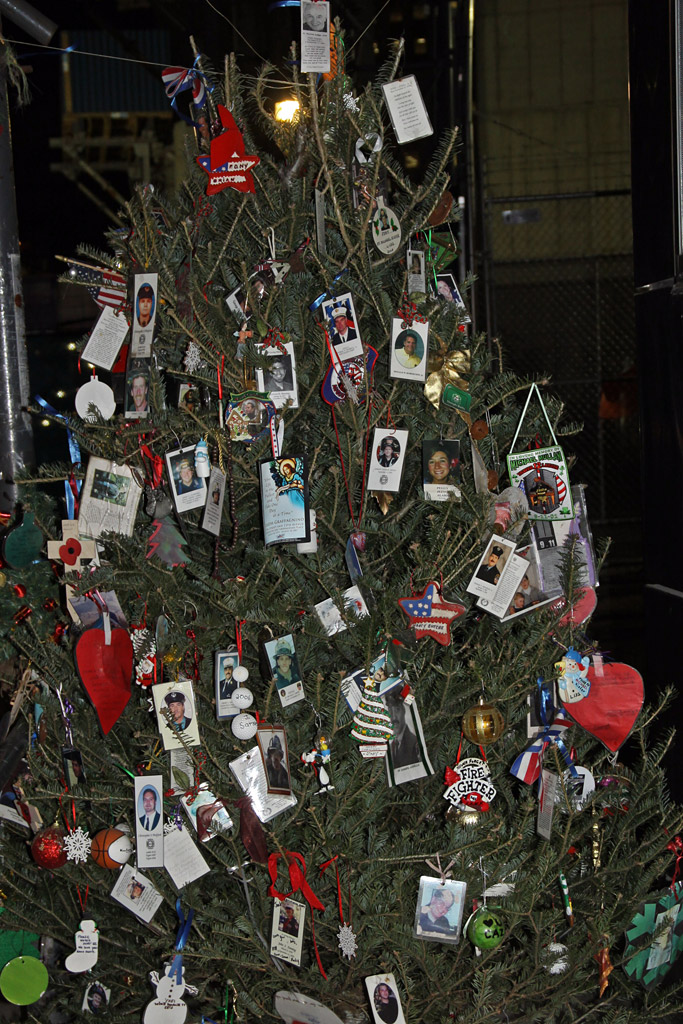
(272,741)
(529,594)
(279,377)
(225,663)
(415,259)
(342,326)
(136,405)
(109,499)
(491,566)
(447,290)
(385,1002)
(287,932)
(188,490)
(387,456)
(409,350)
(144,315)
(248,416)
(440,909)
(96,998)
(441,469)
(176,713)
(284,667)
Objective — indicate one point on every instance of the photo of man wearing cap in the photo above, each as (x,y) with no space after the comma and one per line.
(144,305)
(176,713)
(342,326)
(175,701)
(188,489)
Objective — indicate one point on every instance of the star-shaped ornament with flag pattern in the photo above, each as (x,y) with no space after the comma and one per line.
(228,165)
(430,615)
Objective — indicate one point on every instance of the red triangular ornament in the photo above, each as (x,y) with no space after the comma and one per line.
(227,165)
(106,671)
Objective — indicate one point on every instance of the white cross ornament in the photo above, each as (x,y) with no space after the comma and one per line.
(70,550)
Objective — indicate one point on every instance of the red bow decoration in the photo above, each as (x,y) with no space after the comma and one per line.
(676,847)
(297,880)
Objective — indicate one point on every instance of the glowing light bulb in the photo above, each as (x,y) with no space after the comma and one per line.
(285,110)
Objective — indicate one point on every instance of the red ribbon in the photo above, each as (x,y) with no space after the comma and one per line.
(676,847)
(156,465)
(297,879)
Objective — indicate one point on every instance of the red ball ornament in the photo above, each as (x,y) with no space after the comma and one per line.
(48,848)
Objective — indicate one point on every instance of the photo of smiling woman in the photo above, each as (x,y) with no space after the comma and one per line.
(441,469)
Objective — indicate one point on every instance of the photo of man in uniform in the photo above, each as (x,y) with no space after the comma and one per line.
(175,702)
(144,305)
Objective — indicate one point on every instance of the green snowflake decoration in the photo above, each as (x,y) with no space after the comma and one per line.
(663,920)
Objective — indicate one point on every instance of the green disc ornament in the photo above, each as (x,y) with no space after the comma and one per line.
(23,980)
(662,918)
(22,542)
(485,929)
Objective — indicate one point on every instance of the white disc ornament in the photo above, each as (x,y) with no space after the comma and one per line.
(386,229)
(84,956)
(240,674)
(244,726)
(95,392)
(242,697)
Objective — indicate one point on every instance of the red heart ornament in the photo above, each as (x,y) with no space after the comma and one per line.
(585,603)
(106,672)
(613,703)
(70,551)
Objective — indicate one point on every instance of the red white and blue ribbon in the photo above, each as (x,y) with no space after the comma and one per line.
(177,80)
(527,766)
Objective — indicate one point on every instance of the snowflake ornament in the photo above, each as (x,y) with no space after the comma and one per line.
(77,845)
(347,940)
(193,358)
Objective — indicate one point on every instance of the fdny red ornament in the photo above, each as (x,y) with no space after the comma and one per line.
(228,165)
(430,615)
(469,784)
(48,848)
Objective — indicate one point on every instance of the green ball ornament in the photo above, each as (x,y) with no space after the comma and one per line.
(24,980)
(485,929)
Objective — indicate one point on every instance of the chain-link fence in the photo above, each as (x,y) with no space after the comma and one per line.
(559,295)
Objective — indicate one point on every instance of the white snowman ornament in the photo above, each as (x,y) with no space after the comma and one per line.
(168,1007)
(84,956)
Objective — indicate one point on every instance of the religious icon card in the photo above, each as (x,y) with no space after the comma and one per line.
(188,489)
(284,667)
(109,499)
(279,377)
(272,741)
(225,663)
(176,714)
(144,315)
(409,350)
(441,469)
(287,932)
(284,500)
(387,456)
(342,326)
(440,910)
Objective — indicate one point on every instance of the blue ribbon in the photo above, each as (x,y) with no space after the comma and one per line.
(547,710)
(326,295)
(181,938)
(74,454)
(284,3)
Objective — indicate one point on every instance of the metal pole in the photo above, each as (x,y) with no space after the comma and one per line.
(16,435)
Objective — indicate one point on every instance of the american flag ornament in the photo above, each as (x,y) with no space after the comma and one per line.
(430,615)
(107,287)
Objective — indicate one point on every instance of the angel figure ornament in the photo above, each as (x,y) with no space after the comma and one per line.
(168,1007)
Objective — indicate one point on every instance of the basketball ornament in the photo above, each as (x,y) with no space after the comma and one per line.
(541,473)
(111,848)
(386,228)
(430,615)
(228,165)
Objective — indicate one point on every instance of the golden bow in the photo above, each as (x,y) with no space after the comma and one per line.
(449,369)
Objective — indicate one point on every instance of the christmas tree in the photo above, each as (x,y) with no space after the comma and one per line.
(300,509)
